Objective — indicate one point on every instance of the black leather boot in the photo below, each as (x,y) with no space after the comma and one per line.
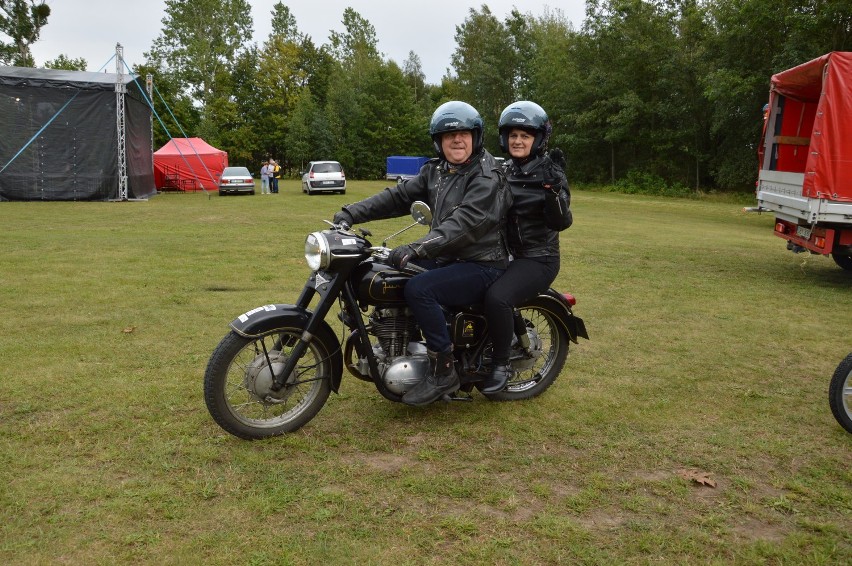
(498,379)
(437,384)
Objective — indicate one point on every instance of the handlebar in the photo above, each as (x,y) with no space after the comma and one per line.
(381,253)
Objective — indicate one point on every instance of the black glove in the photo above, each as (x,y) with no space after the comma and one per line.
(401,255)
(552,179)
(557,157)
(344,218)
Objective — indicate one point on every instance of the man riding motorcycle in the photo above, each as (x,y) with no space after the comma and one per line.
(464,249)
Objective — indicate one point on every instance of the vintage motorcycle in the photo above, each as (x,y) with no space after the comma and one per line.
(275,369)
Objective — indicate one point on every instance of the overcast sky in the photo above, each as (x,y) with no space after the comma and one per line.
(91,28)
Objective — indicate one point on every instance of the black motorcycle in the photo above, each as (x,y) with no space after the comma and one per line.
(274,370)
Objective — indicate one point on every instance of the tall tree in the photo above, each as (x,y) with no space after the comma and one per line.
(301,137)
(289,63)
(413,71)
(66,63)
(284,23)
(235,117)
(486,67)
(21,21)
(358,41)
(200,42)
(555,76)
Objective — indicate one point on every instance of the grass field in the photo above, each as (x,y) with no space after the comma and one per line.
(710,356)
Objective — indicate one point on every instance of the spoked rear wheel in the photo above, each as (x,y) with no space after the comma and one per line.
(840,393)
(240,373)
(537,370)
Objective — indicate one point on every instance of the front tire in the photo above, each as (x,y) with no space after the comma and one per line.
(840,393)
(549,345)
(238,378)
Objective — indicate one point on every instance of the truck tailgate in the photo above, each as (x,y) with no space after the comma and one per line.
(781,192)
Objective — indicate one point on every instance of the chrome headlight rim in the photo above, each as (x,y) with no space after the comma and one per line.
(317,251)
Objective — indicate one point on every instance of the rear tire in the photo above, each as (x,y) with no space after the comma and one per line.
(237,382)
(840,393)
(534,375)
(844,261)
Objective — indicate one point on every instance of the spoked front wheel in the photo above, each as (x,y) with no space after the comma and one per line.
(536,369)
(239,377)
(840,393)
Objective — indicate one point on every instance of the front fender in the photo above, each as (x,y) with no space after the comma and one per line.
(554,303)
(270,318)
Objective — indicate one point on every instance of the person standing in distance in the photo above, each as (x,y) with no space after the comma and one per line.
(541,208)
(464,249)
(264,178)
(274,175)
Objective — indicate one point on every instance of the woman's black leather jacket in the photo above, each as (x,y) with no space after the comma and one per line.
(541,207)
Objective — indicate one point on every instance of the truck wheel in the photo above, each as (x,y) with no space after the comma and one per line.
(844,261)
(840,393)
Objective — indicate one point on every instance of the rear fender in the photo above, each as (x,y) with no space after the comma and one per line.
(270,318)
(554,303)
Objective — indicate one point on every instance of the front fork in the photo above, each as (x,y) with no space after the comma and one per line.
(328,289)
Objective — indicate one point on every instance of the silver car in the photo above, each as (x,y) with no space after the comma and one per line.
(324,177)
(236,180)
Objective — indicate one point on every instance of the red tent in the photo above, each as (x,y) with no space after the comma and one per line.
(818,103)
(188,164)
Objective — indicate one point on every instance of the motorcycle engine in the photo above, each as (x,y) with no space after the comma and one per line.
(402,360)
(405,372)
(395,327)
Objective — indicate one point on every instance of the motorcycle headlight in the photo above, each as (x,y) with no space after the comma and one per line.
(316,251)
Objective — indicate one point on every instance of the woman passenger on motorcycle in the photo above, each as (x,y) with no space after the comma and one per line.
(464,248)
(540,210)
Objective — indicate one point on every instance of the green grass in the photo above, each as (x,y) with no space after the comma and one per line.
(712,349)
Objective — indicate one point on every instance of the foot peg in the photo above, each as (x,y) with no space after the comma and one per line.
(455,396)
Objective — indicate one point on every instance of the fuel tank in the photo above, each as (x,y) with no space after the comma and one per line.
(379,284)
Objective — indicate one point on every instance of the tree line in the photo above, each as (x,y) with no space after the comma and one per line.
(669,91)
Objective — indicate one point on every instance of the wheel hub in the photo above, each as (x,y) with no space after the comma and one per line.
(527,360)
(258,380)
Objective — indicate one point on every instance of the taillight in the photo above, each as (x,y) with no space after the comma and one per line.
(819,241)
(781,228)
(570,298)
(311,176)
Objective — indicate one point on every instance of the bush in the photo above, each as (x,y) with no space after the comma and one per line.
(640,182)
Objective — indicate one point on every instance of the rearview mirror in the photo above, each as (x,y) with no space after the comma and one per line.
(421,213)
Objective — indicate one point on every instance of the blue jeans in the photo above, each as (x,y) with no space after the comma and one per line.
(454,285)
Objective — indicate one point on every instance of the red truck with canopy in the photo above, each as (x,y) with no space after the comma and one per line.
(805,175)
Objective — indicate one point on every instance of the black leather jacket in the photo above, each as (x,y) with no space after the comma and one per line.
(469,205)
(538,214)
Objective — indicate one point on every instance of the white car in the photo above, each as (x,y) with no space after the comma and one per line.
(324,177)
(236,180)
